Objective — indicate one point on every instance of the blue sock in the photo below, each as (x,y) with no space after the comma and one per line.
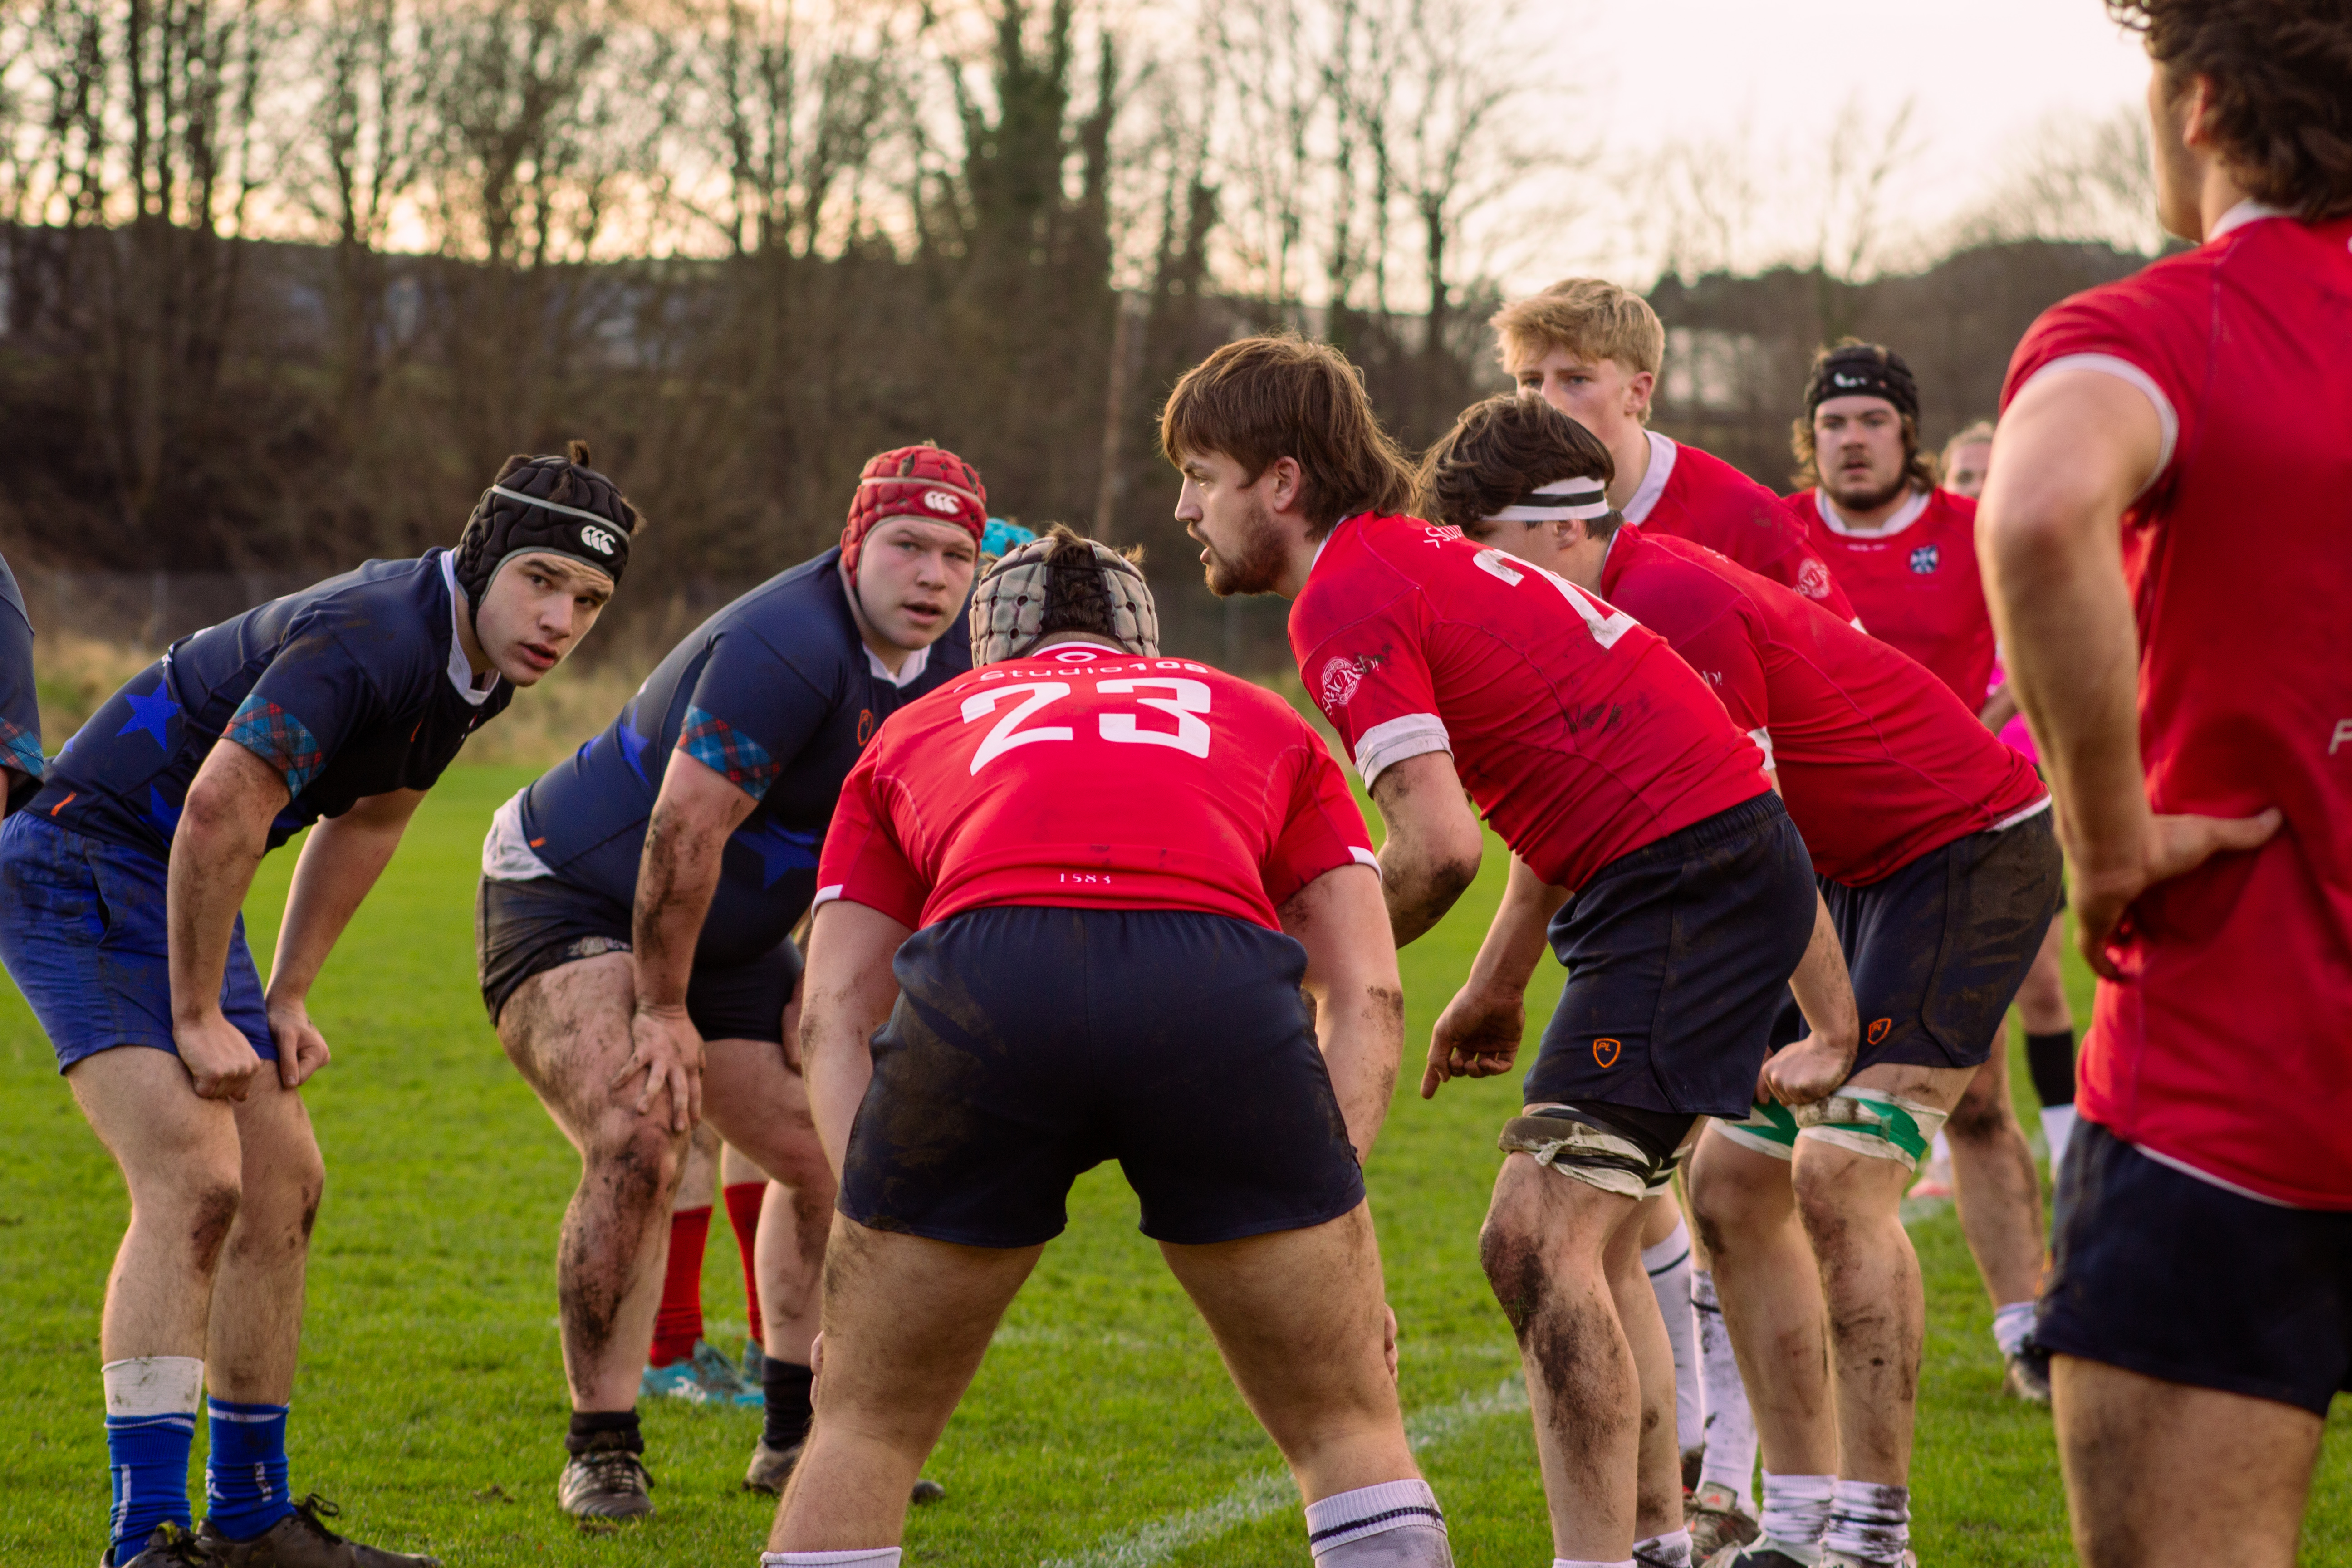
(148,1455)
(245,1478)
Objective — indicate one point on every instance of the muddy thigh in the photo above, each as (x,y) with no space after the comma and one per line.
(567,1031)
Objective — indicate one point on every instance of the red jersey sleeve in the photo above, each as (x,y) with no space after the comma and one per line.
(1322,827)
(2150,337)
(1371,678)
(863,860)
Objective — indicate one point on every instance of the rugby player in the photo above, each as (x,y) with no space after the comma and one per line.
(1967,458)
(120,888)
(1593,351)
(2169,541)
(1939,867)
(21,762)
(1905,550)
(1655,849)
(1071,899)
(635,919)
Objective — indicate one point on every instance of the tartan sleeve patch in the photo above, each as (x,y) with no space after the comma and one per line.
(20,750)
(729,753)
(279,739)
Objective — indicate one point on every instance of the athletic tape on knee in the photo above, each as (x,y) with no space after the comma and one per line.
(1872,1122)
(1593,1155)
(1769,1130)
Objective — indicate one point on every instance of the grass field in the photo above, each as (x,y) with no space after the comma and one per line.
(1100,1431)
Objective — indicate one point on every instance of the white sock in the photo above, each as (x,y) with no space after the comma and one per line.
(153,1385)
(2012,1326)
(1581,1563)
(1391,1524)
(1870,1522)
(1796,1514)
(1730,1425)
(863,1557)
(2057,1126)
(1669,1267)
(1669,1551)
(1941,1153)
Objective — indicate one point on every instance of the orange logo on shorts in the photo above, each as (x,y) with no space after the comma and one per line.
(1604,1051)
(865,725)
(1879,1028)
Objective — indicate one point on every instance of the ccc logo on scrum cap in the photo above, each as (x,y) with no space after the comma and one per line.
(940,501)
(597,540)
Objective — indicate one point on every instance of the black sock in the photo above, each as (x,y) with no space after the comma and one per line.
(2051,1060)
(786,1385)
(601,1431)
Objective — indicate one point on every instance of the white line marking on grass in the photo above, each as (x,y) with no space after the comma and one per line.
(1254,1498)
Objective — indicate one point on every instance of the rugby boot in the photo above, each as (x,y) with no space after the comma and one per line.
(1909,1559)
(2027,1375)
(755,1365)
(1693,1461)
(1718,1518)
(301,1540)
(1754,1554)
(771,1467)
(169,1546)
(605,1482)
(706,1377)
(719,1375)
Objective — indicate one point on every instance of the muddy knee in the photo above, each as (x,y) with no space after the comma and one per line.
(638,1162)
(210,1207)
(1981,1115)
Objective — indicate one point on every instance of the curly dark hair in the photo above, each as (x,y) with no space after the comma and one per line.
(2281,76)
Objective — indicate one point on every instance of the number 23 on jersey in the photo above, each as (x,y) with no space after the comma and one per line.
(1179,699)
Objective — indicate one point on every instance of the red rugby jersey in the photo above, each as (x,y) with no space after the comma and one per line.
(2229,1047)
(1698,496)
(1916,585)
(1085,777)
(1878,762)
(1579,733)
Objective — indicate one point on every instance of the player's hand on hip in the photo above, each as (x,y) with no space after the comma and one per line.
(2171,846)
(665,1049)
(218,1057)
(1477,1035)
(1805,1070)
(301,1049)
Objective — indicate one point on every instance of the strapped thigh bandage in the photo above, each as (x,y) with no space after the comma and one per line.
(1565,1139)
(1769,1129)
(1872,1122)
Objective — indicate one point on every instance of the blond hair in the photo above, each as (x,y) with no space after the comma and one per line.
(1590,317)
(1981,431)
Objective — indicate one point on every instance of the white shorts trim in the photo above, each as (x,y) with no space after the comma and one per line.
(2014,817)
(507,854)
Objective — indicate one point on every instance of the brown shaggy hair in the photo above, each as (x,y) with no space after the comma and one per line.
(2281,76)
(1920,465)
(1500,449)
(1259,399)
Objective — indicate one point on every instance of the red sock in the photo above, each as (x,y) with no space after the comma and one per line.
(744,1200)
(680,1323)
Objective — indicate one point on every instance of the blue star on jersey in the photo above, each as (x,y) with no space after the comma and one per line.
(1925,559)
(152,712)
(632,744)
(779,848)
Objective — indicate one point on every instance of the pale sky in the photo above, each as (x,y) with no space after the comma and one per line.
(1775,76)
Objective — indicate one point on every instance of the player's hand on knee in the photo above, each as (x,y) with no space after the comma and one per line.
(1804,1070)
(218,1057)
(301,1049)
(1477,1035)
(665,1050)
(2173,846)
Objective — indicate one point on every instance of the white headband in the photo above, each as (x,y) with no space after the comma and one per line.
(1562,501)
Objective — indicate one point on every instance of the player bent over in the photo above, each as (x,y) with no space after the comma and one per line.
(1078,891)
(1938,865)
(634,935)
(120,888)
(2194,708)
(1609,769)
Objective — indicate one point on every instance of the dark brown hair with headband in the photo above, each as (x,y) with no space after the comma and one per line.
(1499,452)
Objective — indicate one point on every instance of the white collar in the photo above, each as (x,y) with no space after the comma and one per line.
(1654,482)
(907,671)
(2245,212)
(1912,512)
(461,674)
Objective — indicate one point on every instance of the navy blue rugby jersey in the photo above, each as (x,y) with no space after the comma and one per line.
(776,692)
(20,708)
(354,687)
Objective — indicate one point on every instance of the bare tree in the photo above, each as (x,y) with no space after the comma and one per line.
(2077,180)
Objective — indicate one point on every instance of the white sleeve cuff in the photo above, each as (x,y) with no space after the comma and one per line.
(824,896)
(1364,857)
(2124,370)
(1763,738)
(1384,746)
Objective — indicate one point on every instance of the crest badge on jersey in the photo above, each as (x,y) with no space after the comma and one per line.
(1346,672)
(1813,580)
(1925,559)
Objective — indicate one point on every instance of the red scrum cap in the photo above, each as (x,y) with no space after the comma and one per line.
(929,483)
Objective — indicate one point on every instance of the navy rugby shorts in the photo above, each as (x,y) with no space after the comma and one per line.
(2164,1274)
(83,934)
(1938,949)
(522,928)
(1030,1045)
(1677,955)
